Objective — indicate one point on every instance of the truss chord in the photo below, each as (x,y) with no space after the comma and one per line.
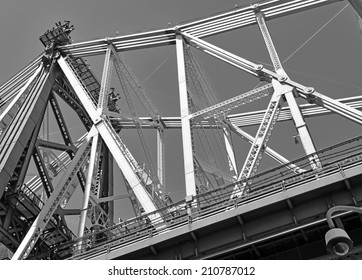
(7,97)
(19,76)
(333,105)
(167,36)
(11,111)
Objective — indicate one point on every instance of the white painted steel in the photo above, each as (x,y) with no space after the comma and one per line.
(87,188)
(187,142)
(106,82)
(120,153)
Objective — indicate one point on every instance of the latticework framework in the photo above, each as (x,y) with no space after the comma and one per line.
(40,176)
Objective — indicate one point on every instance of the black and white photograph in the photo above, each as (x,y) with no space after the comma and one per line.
(147,135)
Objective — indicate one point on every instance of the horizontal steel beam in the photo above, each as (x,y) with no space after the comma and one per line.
(243,119)
(224,107)
(55,146)
(114,250)
(244,16)
(30,68)
(113,198)
(222,22)
(121,43)
(20,129)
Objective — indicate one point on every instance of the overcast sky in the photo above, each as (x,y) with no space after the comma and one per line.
(329,62)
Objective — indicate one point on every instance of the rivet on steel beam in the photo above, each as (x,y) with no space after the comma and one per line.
(256,8)
(282,78)
(310,90)
(259,67)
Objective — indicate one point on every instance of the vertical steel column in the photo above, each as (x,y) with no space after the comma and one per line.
(105,84)
(87,189)
(230,152)
(303,131)
(185,121)
(107,180)
(297,116)
(161,160)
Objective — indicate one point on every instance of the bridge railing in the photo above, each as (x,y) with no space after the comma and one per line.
(333,159)
(25,190)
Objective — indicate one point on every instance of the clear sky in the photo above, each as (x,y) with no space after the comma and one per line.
(329,62)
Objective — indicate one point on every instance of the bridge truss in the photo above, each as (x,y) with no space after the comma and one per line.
(35,211)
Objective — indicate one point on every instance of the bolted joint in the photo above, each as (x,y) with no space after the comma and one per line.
(259,67)
(263,77)
(108,40)
(189,199)
(282,78)
(256,8)
(310,90)
(177,30)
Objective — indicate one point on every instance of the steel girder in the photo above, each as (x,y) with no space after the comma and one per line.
(37,82)
(223,22)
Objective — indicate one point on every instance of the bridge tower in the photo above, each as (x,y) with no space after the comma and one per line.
(59,196)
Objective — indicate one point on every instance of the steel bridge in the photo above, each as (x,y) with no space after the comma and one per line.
(230,210)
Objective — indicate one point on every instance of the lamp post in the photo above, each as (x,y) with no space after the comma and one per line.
(337,240)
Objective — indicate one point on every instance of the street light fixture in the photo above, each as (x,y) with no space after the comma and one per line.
(337,240)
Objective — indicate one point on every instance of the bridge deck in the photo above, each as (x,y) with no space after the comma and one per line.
(280,204)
